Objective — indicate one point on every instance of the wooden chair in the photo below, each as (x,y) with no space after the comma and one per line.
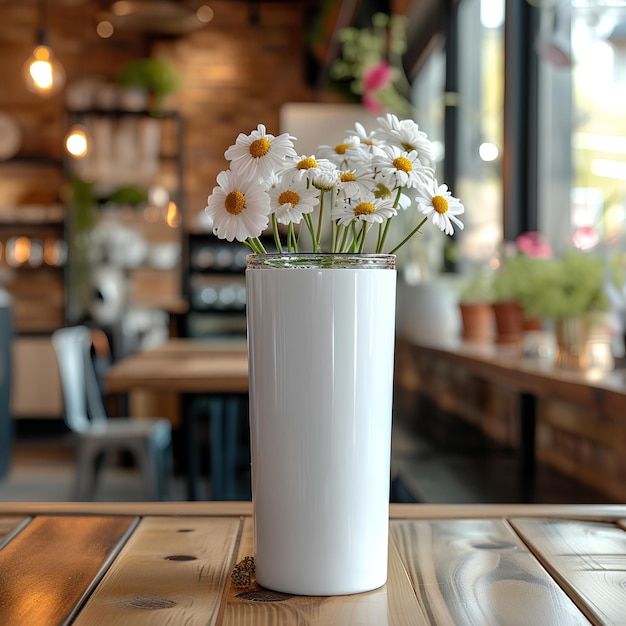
(149,440)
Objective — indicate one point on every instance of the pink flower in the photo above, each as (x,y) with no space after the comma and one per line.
(377,76)
(533,244)
(585,237)
(371,104)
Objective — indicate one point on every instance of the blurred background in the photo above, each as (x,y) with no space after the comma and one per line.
(111,142)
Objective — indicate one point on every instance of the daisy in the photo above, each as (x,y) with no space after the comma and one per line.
(400,169)
(367,141)
(291,201)
(259,153)
(405,134)
(359,182)
(367,210)
(325,178)
(238,206)
(437,203)
(337,154)
(306,168)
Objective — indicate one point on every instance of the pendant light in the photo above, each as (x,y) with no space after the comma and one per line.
(43,73)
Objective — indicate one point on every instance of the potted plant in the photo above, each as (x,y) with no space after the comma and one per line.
(514,285)
(570,290)
(475,304)
(153,75)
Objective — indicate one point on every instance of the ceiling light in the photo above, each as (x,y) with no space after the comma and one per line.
(43,73)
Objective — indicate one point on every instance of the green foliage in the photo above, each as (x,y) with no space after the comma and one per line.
(518,276)
(567,286)
(362,48)
(127,195)
(157,77)
(478,287)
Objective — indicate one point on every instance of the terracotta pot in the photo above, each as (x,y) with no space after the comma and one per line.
(509,319)
(478,322)
(532,323)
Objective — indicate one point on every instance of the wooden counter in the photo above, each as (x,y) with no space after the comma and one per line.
(170,563)
(573,421)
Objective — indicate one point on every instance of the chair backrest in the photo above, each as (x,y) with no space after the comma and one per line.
(84,409)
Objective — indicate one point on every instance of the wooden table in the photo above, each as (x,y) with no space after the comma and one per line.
(190,367)
(171,563)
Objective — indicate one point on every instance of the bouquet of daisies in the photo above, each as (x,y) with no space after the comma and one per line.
(355,186)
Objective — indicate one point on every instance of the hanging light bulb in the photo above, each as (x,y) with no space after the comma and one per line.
(43,73)
(76,142)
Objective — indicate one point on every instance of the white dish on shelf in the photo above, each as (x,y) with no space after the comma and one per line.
(10,136)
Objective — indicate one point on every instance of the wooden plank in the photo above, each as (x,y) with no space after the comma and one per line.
(586,558)
(606,512)
(394,604)
(173,570)
(10,525)
(598,512)
(162,509)
(477,571)
(51,566)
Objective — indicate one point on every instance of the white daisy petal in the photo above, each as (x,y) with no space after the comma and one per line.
(259,153)
(239,207)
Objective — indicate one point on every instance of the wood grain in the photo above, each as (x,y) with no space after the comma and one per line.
(173,570)
(393,604)
(587,558)
(191,371)
(10,525)
(477,571)
(598,512)
(49,568)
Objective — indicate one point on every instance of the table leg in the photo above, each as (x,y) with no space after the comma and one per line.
(224,430)
(527,462)
(217,447)
(192,452)
(231,429)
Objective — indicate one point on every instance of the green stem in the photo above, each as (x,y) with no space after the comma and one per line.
(353,244)
(255,245)
(318,237)
(292,238)
(363,235)
(309,223)
(279,247)
(379,247)
(408,236)
(344,239)
(379,243)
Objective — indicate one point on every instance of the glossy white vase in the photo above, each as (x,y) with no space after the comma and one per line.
(321,351)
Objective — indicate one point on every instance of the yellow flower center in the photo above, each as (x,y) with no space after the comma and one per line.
(289,197)
(306,164)
(364,208)
(235,202)
(259,147)
(347,177)
(341,148)
(440,204)
(403,164)
(407,147)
